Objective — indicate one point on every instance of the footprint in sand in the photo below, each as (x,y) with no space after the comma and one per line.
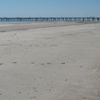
(19,92)
(4,95)
(63,63)
(1,64)
(33,97)
(0,93)
(42,64)
(49,63)
(66,80)
(84,98)
(37,45)
(14,62)
(35,89)
(81,66)
(33,63)
(49,90)
(30,45)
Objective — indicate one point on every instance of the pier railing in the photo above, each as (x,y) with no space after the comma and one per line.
(50,19)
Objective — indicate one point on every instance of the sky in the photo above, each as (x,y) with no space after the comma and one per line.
(49,8)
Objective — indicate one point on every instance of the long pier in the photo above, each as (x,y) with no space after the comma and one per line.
(51,19)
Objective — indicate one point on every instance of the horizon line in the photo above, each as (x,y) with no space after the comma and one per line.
(54,17)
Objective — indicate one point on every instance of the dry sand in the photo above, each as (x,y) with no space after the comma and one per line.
(50,63)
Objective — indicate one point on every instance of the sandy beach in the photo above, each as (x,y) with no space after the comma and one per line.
(44,61)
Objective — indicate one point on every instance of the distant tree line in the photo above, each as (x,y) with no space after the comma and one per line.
(50,19)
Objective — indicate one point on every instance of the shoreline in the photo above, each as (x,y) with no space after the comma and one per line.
(28,26)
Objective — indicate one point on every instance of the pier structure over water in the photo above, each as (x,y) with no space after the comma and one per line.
(50,19)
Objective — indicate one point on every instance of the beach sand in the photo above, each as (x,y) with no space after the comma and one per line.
(50,62)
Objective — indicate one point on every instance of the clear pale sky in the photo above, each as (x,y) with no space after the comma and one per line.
(49,8)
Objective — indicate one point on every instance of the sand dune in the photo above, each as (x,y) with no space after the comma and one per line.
(50,62)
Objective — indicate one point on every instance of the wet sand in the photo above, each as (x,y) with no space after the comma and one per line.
(50,62)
